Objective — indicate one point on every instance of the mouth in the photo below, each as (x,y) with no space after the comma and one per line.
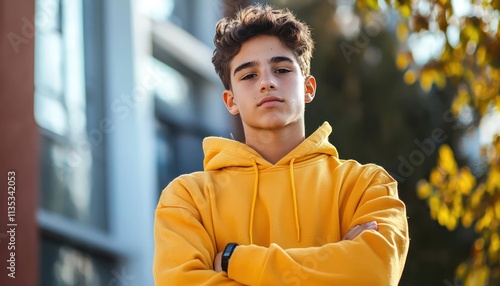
(269,101)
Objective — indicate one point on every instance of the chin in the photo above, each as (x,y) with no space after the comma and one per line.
(272,122)
(276,123)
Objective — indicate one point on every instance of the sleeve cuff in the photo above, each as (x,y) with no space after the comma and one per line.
(247,263)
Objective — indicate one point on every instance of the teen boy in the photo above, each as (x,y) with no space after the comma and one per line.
(280,209)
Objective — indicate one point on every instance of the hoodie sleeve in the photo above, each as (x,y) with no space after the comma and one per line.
(372,258)
(184,251)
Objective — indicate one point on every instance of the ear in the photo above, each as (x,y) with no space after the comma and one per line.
(310,88)
(229,101)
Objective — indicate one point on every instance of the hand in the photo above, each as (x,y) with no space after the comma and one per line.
(218,262)
(358,229)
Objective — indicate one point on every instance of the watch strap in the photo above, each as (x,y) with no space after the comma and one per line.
(226,255)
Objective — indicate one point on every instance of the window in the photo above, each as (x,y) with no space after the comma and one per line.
(68,183)
(76,248)
(179,12)
(196,17)
(176,93)
(179,130)
(66,265)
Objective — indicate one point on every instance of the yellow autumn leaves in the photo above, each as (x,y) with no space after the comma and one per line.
(446,189)
(455,197)
(479,80)
(453,194)
(470,58)
(469,66)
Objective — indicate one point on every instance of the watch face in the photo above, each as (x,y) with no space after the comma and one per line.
(227,252)
(229,249)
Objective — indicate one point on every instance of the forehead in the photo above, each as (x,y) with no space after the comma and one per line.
(261,49)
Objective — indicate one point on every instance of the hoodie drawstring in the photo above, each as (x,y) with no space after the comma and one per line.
(254,199)
(294,193)
(252,210)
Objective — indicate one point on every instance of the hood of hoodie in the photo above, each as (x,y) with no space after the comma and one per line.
(222,153)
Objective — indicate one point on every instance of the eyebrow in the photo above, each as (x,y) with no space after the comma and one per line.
(281,59)
(278,59)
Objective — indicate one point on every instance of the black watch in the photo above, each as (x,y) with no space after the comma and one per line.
(226,255)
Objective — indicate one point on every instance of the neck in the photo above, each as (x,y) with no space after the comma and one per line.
(273,145)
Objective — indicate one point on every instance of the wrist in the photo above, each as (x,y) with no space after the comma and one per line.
(226,255)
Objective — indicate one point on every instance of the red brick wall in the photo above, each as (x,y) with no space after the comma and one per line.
(18,142)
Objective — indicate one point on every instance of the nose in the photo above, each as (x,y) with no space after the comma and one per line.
(267,82)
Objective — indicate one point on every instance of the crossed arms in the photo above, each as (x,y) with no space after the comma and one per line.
(368,254)
(350,235)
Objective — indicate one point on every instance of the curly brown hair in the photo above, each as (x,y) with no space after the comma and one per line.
(255,20)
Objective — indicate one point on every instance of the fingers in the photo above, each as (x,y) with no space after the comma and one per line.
(217,262)
(358,229)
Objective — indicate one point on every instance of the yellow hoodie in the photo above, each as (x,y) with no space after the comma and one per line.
(288,219)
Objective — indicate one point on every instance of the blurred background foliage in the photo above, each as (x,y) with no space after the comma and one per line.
(414,86)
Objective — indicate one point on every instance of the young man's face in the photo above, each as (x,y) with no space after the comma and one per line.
(267,85)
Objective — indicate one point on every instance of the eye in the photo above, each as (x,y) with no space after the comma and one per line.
(248,76)
(282,70)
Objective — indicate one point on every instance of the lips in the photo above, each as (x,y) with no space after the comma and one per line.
(268,100)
